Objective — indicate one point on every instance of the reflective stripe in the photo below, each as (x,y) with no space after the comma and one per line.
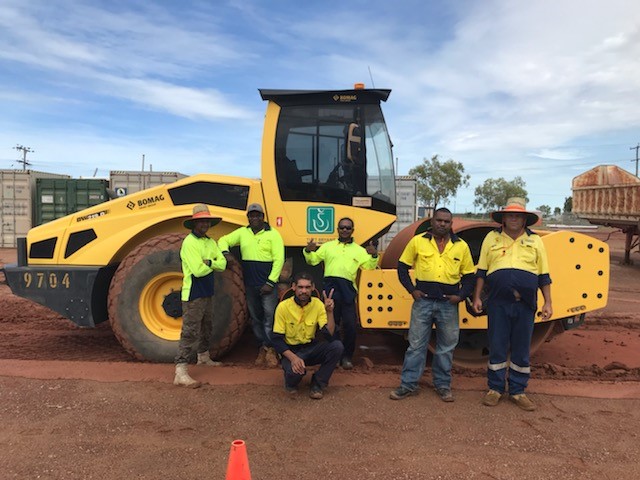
(520,369)
(497,366)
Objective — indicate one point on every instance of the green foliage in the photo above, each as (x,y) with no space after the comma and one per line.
(545,209)
(557,211)
(494,192)
(568,204)
(438,181)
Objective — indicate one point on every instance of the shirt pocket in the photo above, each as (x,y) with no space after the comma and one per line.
(426,260)
(495,251)
(309,326)
(529,255)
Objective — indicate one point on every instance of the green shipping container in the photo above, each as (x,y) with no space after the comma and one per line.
(56,198)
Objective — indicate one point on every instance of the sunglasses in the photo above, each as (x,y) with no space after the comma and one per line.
(344,227)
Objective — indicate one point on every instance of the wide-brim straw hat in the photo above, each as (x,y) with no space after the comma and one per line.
(516,205)
(201,212)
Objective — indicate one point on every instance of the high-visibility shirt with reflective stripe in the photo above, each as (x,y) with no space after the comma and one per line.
(341,259)
(432,267)
(262,253)
(197,278)
(297,323)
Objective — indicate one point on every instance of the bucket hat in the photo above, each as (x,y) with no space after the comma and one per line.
(516,205)
(201,212)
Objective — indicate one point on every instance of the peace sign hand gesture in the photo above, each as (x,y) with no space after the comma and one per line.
(328,301)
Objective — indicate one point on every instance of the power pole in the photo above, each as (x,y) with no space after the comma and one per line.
(24,150)
(636,160)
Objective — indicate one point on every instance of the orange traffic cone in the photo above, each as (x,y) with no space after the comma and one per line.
(238,467)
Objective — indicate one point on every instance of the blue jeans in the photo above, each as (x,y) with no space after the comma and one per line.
(510,331)
(424,314)
(261,312)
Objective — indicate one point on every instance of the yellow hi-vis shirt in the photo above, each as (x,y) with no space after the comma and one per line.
(525,253)
(430,265)
(197,279)
(262,253)
(299,324)
(510,266)
(341,259)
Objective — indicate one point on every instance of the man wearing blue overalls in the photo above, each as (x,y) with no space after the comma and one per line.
(513,265)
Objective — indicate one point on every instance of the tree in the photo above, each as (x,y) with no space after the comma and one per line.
(568,204)
(438,181)
(557,211)
(494,192)
(545,210)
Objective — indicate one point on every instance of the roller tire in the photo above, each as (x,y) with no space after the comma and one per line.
(157,257)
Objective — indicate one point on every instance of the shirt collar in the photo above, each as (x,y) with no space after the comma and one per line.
(527,230)
(452,236)
(350,240)
(266,227)
(295,299)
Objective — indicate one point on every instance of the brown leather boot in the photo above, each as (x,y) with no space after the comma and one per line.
(271,357)
(260,360)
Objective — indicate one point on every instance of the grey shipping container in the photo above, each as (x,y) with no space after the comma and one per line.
(56,197)
(18,195)
(406,191)
(126,182)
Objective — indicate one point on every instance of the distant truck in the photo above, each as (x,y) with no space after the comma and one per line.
(608,195)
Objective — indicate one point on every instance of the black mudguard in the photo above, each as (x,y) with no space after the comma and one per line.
(77,293)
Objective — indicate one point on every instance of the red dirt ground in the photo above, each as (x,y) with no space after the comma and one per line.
(73,404)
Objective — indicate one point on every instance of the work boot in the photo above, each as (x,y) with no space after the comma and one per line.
(271,357)
(401,393)
(492,398)
(260,361)
(204,358)
(523,402)
(346,363)
(183,379)
(316,392)
(445,394)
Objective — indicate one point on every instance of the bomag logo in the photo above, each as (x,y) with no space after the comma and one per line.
(150,201)
(345,98)
(101,213)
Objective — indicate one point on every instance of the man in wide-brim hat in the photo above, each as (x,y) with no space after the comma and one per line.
(200,257)
(513,266)
(516,205)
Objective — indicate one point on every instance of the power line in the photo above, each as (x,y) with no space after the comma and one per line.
(24,150)
(636,160)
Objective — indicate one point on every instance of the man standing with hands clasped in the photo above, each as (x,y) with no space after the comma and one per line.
(342,258)
(513,265)
(444,277)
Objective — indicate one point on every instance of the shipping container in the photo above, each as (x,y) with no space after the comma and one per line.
(126,182)
(58,197)
(17,196)
(406,197)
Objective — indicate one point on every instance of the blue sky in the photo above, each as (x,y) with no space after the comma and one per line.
(545,90)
